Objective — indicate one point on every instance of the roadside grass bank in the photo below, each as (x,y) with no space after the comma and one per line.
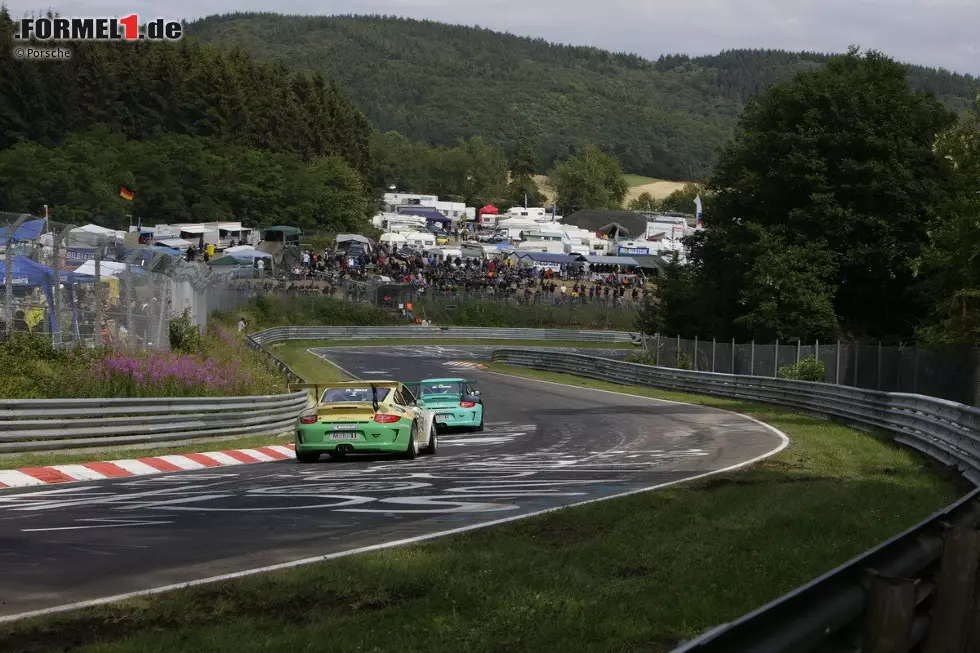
(638,573)
(267,311)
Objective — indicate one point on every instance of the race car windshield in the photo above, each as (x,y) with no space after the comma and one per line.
(353,393)
(442,388)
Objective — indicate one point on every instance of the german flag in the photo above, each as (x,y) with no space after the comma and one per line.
(126,194)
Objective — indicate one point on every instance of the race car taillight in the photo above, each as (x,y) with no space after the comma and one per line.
(308,419)
(467,404)
(386,419)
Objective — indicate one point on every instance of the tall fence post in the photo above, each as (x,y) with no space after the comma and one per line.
(775,362)
(879,365)
(752,359)
(130,331)
(97,318)
(733,356)
(915,370)
(55,290)
(837,365)
(857,350)
(8,272)
(816,349)
(677,363)
(890,614)
(799,349)
(713,345)
(954,592)
(657,353)
(695,353)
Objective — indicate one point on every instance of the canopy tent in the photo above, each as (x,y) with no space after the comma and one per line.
(108,269)
(248,255)
(196,229)
(347,238)
(31,274)
(28,231)
(230,260)
(430,215)
(490,209)
(175,243)
(239,248)
(169,251)
(625,261)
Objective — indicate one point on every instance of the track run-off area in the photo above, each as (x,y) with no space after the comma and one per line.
(545,446)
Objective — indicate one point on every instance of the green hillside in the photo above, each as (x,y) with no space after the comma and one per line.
(440,83)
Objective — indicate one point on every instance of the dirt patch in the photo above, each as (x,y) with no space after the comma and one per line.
(658,190)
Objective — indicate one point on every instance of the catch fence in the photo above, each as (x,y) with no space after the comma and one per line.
(88,285)
(875,367)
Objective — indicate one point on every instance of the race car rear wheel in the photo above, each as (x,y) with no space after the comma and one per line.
(433,445)
(413,443)
(307,457)
(480,427)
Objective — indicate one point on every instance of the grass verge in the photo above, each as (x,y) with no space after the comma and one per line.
(639,573)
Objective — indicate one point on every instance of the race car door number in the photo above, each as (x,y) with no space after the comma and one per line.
(344,436)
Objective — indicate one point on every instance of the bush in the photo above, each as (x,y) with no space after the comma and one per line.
(642,359)
(807,369)
(185,336)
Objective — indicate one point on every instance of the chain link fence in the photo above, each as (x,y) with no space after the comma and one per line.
(874,367)
(86,285)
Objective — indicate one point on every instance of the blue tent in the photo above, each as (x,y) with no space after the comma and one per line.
(28,231)
(30,274)
(430,215)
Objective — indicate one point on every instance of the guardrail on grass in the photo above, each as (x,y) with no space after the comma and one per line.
(916,589)
(54,424)
(279,334)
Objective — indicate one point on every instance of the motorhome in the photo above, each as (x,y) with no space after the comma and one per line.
(419,239)
(443,253)
(472,249)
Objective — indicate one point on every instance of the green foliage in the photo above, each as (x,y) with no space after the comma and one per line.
(220,366)
(645,202)
(682,200)
(674,305)
(684,363)
(593,180)
(267,311)
(440,83)
(522,187)
(949,268)
(807,369)
(470,172)
(185,336)
(197,134)
(642,359)
(818,207)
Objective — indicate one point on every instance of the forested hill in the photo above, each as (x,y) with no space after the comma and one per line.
(440,83)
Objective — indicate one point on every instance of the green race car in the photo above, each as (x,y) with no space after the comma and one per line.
(363,417)
(455,402)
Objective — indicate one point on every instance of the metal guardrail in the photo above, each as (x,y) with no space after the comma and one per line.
(279,334)
(826,614)
(54,424)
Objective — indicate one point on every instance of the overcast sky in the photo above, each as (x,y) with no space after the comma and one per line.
(944,33)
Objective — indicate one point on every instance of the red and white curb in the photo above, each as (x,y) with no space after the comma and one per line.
(465,365)
(127,467)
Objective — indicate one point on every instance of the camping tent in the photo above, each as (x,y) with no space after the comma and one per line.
(31,274)
(346,238)
(28,231)
(239,248)
(489,208)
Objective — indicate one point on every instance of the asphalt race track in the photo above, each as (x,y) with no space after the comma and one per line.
(545,445)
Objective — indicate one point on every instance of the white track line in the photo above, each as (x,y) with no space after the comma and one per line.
(784,442)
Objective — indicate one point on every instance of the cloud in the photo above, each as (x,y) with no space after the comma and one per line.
(940,33)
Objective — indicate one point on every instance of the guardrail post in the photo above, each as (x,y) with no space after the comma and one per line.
(713,345)
(955,592)
(837,365)
(891,612)
(733,356)
(695,353)
(775,364)
(752,359)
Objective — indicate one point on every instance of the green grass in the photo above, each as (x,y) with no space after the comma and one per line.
(638,180)
(633,574)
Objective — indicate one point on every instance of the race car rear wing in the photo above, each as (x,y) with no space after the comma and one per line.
(316,387)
